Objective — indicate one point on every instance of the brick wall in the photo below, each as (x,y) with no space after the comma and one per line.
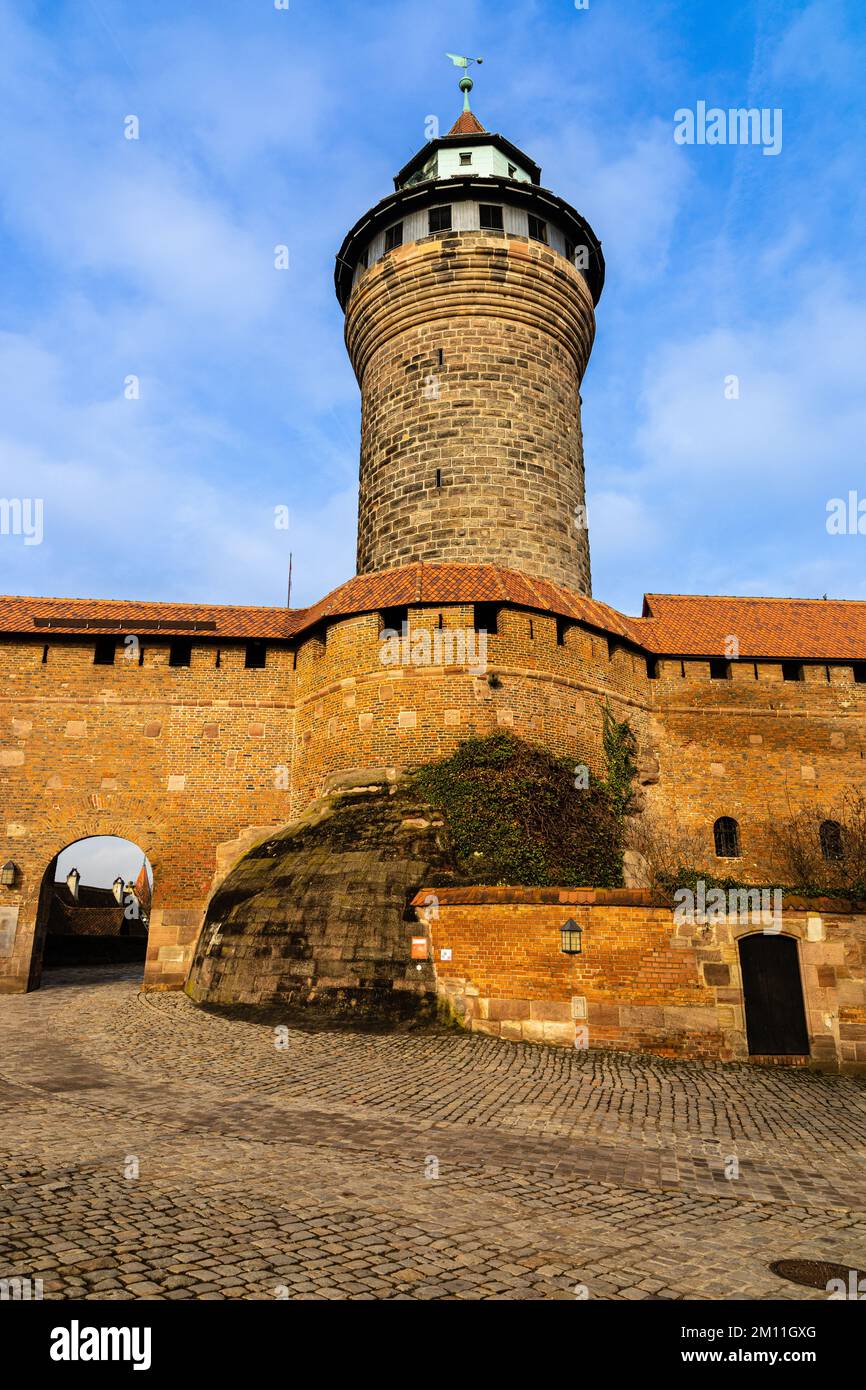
(191,764)
(641,982)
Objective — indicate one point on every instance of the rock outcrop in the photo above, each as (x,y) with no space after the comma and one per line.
(319,914)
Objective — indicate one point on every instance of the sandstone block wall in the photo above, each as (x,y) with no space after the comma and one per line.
(469,350)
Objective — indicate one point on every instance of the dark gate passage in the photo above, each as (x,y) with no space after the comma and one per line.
(773,993)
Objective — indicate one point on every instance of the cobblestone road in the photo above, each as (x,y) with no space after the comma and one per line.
(303,1171)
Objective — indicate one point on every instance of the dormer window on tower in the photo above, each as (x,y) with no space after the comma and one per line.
(465,158)
(537,229)
(394,236)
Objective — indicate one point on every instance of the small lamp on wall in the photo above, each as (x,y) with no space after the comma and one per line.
(9,874)
(571,938)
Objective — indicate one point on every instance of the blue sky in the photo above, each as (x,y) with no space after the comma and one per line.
(261,126)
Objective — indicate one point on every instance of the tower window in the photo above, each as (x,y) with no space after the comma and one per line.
(256,656)
(569,251)
(104,650)
(45,655)
(491,217)
(562,627)
(465,158)
(487,618)
(395,620)
(830,835)
(180,652)
(859,669)
(792,671)
(720,669)
(512,170)
(438,477)
(440,219)
(537,229)
(362,259)
(652,668)
(394,236)
(726,834)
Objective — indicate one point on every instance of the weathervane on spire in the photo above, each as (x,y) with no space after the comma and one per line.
(466,84)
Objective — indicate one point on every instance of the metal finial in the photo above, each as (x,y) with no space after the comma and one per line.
(466,84)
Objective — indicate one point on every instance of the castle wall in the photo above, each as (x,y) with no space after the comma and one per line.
(470,349)
(192,764)
(642,982)
(178,760)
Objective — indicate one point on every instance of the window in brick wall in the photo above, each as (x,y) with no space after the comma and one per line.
(859,669)
(394,236)
(720,669)
(726,834)
(256,655)
(490,217)
(438,477)
(537,229)
(44,656)
(652,668)
(830,835)
(218,658)
(439,219)
(563,626)
(792,671)
(104,651)
(486,618)
(180,652)
(394,619)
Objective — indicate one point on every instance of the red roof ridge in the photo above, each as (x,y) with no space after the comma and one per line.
(754,598)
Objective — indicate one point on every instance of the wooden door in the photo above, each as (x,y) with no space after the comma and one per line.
(773,994)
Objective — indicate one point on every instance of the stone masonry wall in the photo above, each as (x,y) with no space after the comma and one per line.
(641,983)
(177,760)
(469,349)
(193,764)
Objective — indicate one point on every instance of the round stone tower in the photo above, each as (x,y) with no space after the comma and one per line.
(469,296)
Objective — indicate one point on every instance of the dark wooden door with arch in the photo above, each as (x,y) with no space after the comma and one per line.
(773,995)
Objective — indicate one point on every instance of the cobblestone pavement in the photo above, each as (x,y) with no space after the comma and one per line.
(305,1171)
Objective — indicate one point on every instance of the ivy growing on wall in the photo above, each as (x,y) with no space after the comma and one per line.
(518,815)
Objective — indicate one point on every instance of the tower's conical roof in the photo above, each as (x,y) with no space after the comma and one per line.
(467,123)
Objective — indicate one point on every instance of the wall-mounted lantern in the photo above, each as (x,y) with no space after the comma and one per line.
(9,874)
(571,936)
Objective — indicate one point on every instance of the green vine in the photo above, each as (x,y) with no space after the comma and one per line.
(620,752)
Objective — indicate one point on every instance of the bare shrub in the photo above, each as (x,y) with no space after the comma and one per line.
(800,858)
(670,851)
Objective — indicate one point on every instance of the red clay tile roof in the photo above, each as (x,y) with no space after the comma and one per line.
(792,628)
(671,625)
(467,123)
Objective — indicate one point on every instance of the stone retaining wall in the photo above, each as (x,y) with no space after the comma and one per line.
(642,982)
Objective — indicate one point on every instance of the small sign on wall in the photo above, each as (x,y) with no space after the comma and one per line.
(445,953)
(8,923)
(419,948)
